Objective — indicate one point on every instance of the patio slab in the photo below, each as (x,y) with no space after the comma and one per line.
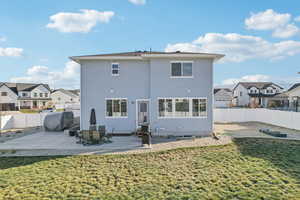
(62,141)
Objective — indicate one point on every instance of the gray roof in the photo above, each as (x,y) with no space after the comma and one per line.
(17,87)
(218,89)
(259,85)
(294,86)
(71,93)
(139,53)
(136,54)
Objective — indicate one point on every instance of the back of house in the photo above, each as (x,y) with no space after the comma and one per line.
(172,92)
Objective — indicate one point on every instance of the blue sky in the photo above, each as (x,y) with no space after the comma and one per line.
(260,38)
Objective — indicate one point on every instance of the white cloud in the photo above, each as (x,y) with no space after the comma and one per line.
(2,39)
(11,52)
(67,78)
(287,31)
(79,22)
(138,2)
(248,78)
(267,20)
(279,23)
(238,48)
(297,19)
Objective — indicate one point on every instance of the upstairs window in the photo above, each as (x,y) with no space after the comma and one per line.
(46,94)
(182,69)
(41,94)
(35,94)
(4,94)
(115,69)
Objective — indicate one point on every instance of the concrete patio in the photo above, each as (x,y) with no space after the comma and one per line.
(62,141)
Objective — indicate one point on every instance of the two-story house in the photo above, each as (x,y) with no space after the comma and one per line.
(222,97)
(16,96)
(62,97)
(172,92)
(255,94)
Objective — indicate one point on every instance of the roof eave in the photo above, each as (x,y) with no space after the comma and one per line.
(81,58)
(215,57)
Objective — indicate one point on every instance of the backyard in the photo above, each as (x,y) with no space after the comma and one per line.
(244,169)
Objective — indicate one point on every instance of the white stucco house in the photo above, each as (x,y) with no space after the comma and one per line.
(16,96)
(170,91)
(254,94)
(222,97)
(61,97)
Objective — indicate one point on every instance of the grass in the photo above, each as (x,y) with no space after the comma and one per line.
(29,111)
(247,169)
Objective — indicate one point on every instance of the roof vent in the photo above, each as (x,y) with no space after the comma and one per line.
(177,51)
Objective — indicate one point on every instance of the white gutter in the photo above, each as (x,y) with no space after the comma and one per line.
(215,57)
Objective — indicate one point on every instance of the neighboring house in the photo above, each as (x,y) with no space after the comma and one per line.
(222,97)
(293,95)
(8,98)
(172,92)
(255,94)
(15,96)
(62,97)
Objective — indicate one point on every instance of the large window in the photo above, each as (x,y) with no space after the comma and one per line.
(115,69)
(165,107)
(116,107)
(182,69)
(182,107)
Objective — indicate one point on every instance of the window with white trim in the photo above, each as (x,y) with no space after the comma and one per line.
(115,69)
(182,107)
(182,69)
(116,107)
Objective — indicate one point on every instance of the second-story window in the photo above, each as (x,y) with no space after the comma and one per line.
(182,69)
(41,94)
(115,69)
(4,94)
(46,95)
(35,94)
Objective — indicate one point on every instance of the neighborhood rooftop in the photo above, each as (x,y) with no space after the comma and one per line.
(259,85)
(17,87)
(294,86)
(147,54)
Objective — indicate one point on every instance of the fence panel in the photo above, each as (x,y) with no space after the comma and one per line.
(276,117)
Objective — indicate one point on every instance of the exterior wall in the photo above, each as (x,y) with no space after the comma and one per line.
(11,96)
(97,84)
(222,99)
(145,80)
(60,98)
(38,90)
(162,85)
(243,100)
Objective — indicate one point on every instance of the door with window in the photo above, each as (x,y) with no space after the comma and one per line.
(142,112)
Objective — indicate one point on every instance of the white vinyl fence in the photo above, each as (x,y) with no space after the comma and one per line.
(16,121)
(276,117)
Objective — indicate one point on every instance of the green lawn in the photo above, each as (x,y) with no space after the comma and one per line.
(247,169)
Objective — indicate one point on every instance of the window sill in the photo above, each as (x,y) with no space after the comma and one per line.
(181,76)
(116,117)
(201,117)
